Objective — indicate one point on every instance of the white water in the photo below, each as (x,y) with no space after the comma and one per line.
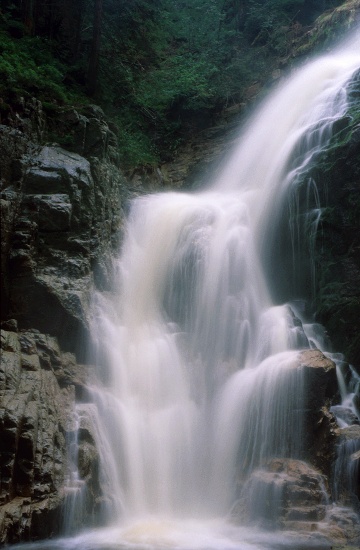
(201,386)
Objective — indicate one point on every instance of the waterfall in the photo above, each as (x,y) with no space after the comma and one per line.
(201,382)
(198,385)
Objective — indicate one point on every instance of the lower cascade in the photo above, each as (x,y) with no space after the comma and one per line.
(203,400)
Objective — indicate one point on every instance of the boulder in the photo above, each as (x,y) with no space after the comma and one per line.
(345,415)
(286,493)
(347,467)
(342,527)
(291,495)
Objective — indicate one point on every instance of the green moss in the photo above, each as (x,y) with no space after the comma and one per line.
(329,27)
(337,175)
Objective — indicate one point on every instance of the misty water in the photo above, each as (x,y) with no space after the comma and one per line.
(197,358)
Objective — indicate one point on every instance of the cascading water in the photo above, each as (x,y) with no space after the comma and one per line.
(201,386)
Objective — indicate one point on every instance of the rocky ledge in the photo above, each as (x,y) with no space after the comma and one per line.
(38,423)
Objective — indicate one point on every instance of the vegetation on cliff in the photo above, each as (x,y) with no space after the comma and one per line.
(160,69)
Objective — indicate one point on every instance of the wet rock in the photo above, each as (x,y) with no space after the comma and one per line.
(54,213)
(284,492)
(87,133)
(320,426)
(36,414)
(67,224)
(41,181)
(343,528)
(345,415)
(62,219)
(347,467)
(52,168)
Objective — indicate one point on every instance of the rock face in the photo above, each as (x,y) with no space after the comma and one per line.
(347,467)
(61,219)
(37,418)
(291,495)
(320,391)
(337,256)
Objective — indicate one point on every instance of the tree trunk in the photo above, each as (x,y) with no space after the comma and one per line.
(28,16)
(95,48)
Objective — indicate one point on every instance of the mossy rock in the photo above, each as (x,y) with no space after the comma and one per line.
(329,27)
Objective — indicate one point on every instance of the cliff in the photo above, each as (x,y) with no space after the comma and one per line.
(61,220)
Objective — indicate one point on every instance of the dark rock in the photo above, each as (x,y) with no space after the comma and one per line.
(345,415)
(54,213)
(56,240)
(10,324)
(320,392)
(87,133)
(41,181)
(8,210)
(337,177)
(37,411)
(63,168)
(347,467)
(61,220)
(9,370)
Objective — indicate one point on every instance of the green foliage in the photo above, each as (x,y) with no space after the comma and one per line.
(329,26)
(165,66)
(136,147)
(181,79)
(268,21)
(27,67)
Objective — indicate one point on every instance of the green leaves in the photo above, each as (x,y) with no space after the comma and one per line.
(27,67)
(165,66)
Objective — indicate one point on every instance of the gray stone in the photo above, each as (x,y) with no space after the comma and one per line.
(345,414)
(42,181)
(284,490)
(60,164)
(35,414)
(61,216)
(30,362)
(347,467)
(343,528)
(9,341)
(9,370)
(54,213)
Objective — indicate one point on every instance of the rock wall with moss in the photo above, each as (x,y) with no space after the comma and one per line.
(337,251)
